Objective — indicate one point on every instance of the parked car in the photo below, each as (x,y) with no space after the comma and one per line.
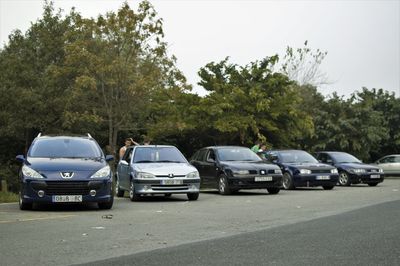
(231,168)
(65,169)
(351,169)
(156,169)
(390,164)
(301,169)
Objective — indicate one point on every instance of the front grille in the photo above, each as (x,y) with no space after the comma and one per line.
(253,172)
(321,171)
(373,170)
(169,187)
(67,188)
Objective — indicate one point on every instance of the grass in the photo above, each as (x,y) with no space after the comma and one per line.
(8,197)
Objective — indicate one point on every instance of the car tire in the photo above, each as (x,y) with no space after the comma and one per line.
(24,205)
(193,196)
(287,181)
(118,191)
(327,187)
(273,190)
(133,196)
(372,184)
(344,179)
(223,186)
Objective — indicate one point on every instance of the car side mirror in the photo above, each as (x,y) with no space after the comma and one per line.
(210,160)
(123,162)
(109,158)
(20,158)
(329,161)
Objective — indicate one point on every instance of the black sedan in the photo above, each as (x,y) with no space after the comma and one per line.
(351,169)
(301,169)
(231,168)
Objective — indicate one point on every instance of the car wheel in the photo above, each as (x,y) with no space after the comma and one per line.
(273,190)
(118,191)
(24,205)
(287,181)
(344,179)
(193,196)
(132,194)
(223,186)
(372,184)
(328,187)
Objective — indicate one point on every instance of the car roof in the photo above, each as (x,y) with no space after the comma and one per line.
(278,150)
(64,137)
(154,146)
(224,147)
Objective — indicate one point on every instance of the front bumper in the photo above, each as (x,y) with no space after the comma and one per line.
(158,186)
(248,182)
(366,178)
(315,180)
(30,189)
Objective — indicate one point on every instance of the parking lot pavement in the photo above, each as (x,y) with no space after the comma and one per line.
(77,234)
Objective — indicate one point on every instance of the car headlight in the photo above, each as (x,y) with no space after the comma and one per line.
(278,171)
(102,173)
(144,175)
(305,171)
(358,171)
(240,172)
(194,174)
(334,171)
(29,172)
(380,170)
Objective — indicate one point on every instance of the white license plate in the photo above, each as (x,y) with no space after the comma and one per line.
(375,176)
(67,198)
(323,177)
(262,178)
(171,182)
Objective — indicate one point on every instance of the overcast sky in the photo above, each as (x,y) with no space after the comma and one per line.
(362,38)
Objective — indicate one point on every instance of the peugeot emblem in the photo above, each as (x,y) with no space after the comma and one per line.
(170,175)
(67,175)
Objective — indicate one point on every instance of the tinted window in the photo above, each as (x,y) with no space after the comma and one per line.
(65,148)
(342,157)
(201,155)
(296,157)
(158,154)
(237,154)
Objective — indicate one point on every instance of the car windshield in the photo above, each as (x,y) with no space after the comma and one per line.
(344,158)
(65,148)
(158,155)
(237,154)
(296,157)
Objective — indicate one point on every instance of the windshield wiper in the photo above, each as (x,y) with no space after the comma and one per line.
(144,161)
(168,161)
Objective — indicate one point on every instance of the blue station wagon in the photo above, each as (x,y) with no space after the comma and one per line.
(65,169)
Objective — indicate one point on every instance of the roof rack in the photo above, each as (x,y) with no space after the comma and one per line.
(89,135)
(40,134)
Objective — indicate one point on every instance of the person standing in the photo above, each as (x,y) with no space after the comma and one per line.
(256,146)
(128,142)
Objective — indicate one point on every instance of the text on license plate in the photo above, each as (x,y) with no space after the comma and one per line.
(262,178)
(67,198)
(375,176)
(171,182)
(323,177)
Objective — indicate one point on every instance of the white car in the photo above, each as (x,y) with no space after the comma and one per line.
(156,169)
(390,164)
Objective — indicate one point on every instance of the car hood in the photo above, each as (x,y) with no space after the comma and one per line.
(357,166)
(161,169)
(65,164)
(249,165)
(310,166)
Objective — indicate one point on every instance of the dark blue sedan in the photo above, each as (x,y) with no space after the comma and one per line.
(301,169)
(351,169)
(65,169)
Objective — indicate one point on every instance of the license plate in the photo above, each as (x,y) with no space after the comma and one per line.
(262,178)
(375,176)
(171,182)
(323,177)
(67,198)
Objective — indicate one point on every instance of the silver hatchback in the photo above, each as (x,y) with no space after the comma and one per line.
(156,169)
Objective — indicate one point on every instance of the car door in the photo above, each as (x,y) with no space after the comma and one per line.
(210,169)
(124,167)
(198,161)
(387,164)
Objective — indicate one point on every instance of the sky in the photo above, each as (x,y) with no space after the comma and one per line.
(362,38)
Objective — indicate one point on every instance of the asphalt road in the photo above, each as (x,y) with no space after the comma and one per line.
(252,227)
